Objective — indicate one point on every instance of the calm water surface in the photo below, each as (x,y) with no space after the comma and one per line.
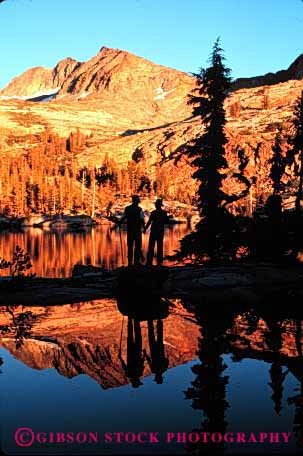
(55,252)
(85,367)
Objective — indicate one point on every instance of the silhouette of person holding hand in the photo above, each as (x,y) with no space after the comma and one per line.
(134,217)
(158,218)
(134,365)
(157,361)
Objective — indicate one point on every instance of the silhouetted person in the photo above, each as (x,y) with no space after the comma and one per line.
(157,361)
(274,212)
(134,217)
(109,209)
(157,220)
(268,235)
(134,365)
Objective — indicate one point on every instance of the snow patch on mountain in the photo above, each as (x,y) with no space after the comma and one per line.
(161,94)
(44,95)
(84,94)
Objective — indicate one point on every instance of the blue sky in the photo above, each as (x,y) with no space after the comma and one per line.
(258,35)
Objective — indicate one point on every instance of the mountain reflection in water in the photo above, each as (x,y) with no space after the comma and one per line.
(55,252)
(242,372)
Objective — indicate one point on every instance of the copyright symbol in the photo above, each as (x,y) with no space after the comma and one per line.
(24,437)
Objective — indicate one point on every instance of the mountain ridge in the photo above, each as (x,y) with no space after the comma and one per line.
(72,77)
(39,79)
(76,77)
(293,72)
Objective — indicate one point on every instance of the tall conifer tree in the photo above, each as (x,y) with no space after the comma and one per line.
(297,148)
(277,163)
(208,154)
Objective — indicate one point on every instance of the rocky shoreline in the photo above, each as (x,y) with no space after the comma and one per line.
(249,283)
(179,213)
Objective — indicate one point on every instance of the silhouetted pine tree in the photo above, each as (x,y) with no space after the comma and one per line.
(277,163)
(297,148)
(208,154)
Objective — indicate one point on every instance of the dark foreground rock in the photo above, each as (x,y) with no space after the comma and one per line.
(252,283)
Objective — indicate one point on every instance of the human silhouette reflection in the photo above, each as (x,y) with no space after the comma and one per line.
(155,309)
(134,365)
(157,361)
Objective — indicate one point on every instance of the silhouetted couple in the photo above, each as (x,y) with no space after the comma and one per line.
(134,217)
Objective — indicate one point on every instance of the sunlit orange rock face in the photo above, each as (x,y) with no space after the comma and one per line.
(85,339)
(39,79)
(30,82)
(123,102)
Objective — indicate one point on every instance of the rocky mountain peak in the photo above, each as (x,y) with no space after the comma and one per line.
(34,80)
(110,71)
(63,69)
(114,69)
(39,80)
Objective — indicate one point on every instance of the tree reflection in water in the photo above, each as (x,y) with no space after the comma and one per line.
(152,344)
(224,335)
(19,327)
(208,390)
